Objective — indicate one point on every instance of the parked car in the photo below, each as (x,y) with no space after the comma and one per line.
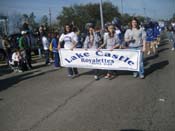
(2,55)
(2,52)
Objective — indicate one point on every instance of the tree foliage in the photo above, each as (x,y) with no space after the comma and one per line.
(82,14)
(25,18)
(32,22)
(173,18)
(125,19)
(44,20)
(29,21)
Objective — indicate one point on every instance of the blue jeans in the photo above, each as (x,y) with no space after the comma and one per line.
(46,56)
(141,68)
(96,71)
(56,59)
(72,71)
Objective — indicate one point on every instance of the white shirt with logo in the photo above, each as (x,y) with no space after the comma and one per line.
(68,39)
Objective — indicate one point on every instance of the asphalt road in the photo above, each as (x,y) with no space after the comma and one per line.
(45,99)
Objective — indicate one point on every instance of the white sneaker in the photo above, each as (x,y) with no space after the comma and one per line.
(135,74)
(96,77)
(141,76)
(149,52)
(76,75)
(69,75)
(15,70)
(56,68)
(20,71)
(172,49)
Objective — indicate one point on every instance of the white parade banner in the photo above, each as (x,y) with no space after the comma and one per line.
(119,59)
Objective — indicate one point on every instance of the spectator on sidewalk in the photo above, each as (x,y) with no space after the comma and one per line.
(7,48)
(54,45)
(24,48)
(18,63)
(45,44)
(171,37)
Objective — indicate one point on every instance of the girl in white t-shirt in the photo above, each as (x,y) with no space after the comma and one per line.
(70,41)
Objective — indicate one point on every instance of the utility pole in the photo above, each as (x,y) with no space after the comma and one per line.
(50,18)
(122,6)
(101,15)
(144,12)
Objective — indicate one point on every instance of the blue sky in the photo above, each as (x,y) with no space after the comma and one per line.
(156,9)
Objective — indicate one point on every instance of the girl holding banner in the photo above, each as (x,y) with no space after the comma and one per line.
(70,41)
(136,39)
(92,41)
(111,41)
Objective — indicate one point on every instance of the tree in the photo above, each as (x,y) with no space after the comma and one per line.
(82,14)
(25,18)
(15,22)
(44,20)
(31,21)
(141,19)
(110,11)
(126,18)
(173,18)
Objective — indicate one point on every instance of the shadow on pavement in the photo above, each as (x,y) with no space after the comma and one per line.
(5,70)
(155,67)
(87,73)
(130,130)
(164,49)
(9,82)
(39,66)
(150,57)
(163,43)
(102,73)
(119,73)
